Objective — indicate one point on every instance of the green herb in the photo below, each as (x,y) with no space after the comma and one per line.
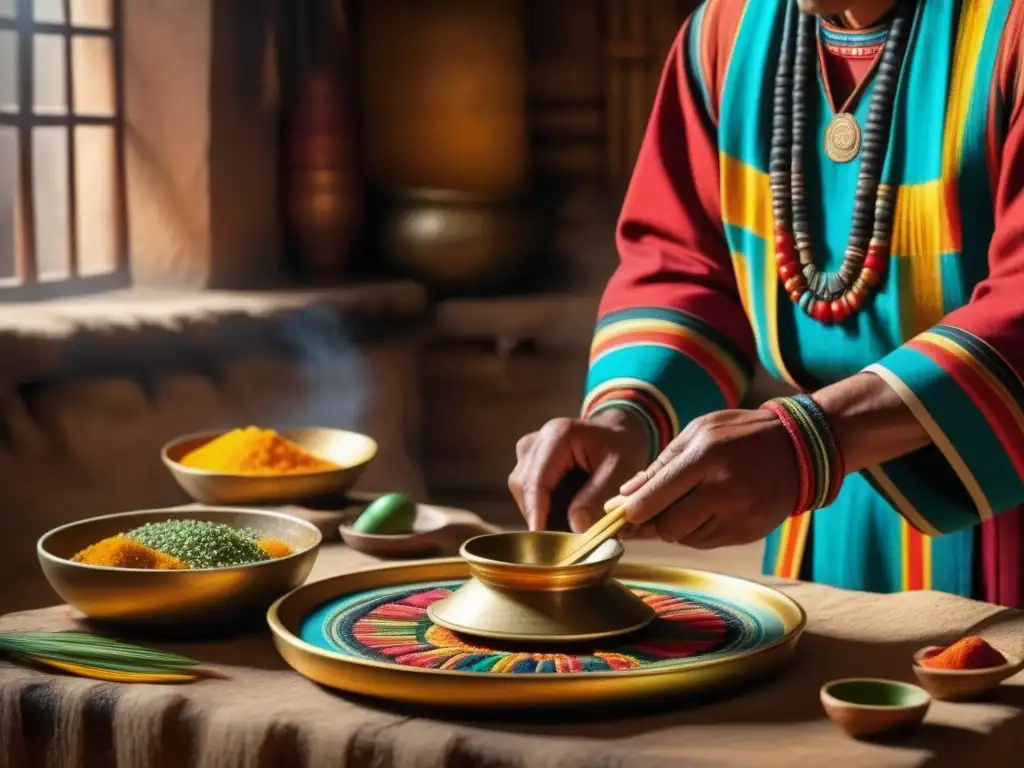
(98,653)
(200,544)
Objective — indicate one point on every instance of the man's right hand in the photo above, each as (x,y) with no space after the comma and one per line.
(612,448)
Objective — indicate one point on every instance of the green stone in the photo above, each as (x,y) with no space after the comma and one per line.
(393,513)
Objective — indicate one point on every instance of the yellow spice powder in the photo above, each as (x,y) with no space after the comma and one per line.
(254,451)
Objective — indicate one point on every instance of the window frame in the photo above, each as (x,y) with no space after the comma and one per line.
(27,286)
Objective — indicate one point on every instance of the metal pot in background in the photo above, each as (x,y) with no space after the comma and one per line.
(459,242)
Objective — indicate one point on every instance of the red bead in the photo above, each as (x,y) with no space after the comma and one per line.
(840,310)
(854,300)
(821,311)
(785,247)
(795,296)
(877,258)
(795,283)
(788,270)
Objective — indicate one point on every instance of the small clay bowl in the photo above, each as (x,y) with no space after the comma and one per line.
(864,707)
(434,529)
(960,684)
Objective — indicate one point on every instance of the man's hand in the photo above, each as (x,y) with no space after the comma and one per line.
(612,447)
(729,478)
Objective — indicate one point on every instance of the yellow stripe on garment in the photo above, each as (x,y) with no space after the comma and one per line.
(746,198)
(673,329)
(643,386)
(747,204)
(921,235)
(974,16)
(938,438)
(982,371)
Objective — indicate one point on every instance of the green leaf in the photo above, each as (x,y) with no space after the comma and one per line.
(90,650)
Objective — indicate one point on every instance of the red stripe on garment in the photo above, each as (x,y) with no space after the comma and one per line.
(653,408)
(915,558)
(684,345)
(1000,419)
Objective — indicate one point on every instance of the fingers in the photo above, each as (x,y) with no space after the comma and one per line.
(664,489)
(672,450)
(543,461)
(593,500)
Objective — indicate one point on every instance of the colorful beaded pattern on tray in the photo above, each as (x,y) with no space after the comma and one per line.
(391,626)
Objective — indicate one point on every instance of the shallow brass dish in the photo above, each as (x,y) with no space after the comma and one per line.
(457,689)
(350,450)
(176,599)
(516,594)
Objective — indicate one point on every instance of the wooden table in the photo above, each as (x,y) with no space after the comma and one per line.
(263,714)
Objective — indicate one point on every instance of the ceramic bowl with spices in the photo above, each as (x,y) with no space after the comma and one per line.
(968,668)
(178,569)
(254,465)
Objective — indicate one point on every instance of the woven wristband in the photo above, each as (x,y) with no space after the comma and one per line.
(836,460)
(804,460)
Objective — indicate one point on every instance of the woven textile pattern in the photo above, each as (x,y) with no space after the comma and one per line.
(392,626)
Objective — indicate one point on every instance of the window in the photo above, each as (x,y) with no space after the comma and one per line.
(63,218)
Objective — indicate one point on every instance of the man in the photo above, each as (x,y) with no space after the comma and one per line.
(831,188)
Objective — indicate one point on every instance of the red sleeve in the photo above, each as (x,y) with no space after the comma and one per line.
(673,341)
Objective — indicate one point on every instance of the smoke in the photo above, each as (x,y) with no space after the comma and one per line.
(336,383)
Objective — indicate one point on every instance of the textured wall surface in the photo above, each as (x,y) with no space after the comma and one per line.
(201,153)
(100,392)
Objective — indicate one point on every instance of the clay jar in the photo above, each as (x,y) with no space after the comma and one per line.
(321,191)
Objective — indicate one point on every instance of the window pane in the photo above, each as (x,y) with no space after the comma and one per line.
(92,13)
(95,152)
(8,201)
(48,11)
(50,180)
(8,71)
(49,75)
(94,75)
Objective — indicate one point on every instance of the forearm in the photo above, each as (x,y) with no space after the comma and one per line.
(870,421)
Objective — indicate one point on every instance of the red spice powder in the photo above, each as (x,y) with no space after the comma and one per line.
(970,653)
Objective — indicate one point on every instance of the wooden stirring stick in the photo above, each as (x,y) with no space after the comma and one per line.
(606,528)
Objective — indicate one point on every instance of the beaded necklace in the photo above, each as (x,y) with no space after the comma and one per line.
(831,297)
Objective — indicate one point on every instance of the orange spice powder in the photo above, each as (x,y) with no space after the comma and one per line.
(254,451)
(274,547)
(971,652)
(121,552)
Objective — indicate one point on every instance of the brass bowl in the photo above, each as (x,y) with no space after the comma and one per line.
(515,594)
(352,451)
(458,241)
(167,599)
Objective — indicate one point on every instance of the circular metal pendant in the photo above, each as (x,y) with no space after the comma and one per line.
(842,138)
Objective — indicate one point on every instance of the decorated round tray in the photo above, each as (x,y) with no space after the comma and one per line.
(368,633)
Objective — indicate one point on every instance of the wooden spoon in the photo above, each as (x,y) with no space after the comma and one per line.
(435,528)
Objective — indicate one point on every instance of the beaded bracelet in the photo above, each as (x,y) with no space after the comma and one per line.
(819,460)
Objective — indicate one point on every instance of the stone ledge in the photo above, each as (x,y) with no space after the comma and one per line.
(145,330)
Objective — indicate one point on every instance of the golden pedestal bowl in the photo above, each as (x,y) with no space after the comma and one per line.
(351,451)
(515,594)
(187,601)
